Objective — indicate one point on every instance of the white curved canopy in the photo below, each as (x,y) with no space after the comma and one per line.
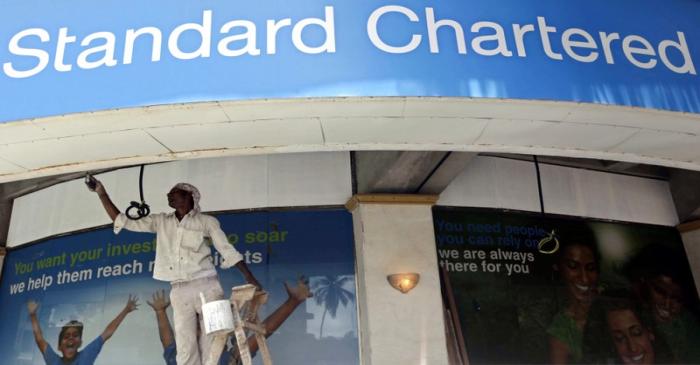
(86,141)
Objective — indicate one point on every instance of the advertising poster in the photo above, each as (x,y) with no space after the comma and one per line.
(536,289)
(89,277)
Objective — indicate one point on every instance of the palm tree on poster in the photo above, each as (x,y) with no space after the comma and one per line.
(329,291)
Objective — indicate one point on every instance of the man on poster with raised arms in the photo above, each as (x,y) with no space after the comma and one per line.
(184,259)
(71,337)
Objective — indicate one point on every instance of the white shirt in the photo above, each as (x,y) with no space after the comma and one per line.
(181,250)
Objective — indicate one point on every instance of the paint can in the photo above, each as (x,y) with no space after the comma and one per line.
(218,317)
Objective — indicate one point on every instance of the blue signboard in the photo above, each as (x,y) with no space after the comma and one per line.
(59,57)
(89,277)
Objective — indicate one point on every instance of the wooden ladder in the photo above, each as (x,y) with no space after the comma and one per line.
(246,302)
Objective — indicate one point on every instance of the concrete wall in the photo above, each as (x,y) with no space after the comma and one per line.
(304,179)
(324,179)
(495,182)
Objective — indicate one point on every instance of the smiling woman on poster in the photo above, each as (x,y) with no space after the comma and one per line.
(620,332)
(577,265)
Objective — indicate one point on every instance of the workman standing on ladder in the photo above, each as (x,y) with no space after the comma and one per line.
(184,259)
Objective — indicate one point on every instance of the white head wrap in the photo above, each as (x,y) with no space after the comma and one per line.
(195,195)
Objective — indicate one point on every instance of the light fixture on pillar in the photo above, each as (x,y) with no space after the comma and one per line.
(404,282)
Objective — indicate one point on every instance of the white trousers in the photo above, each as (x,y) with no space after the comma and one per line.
(191,341)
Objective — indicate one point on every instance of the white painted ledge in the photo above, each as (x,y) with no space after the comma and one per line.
(85,141)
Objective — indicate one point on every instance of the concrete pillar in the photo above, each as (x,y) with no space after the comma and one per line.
(2,259)
(5,213)
(394,234)
(690,232)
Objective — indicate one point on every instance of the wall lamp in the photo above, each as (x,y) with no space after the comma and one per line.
(404,282)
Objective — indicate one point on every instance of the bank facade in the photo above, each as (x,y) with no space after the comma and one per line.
(462,141)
